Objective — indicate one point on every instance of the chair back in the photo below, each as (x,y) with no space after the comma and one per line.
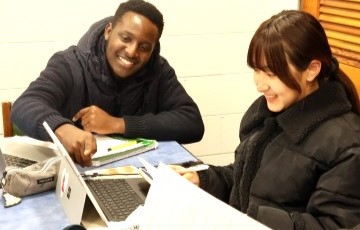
(9,128)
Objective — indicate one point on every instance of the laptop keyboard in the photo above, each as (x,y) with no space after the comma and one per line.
(115,197)
(17,161)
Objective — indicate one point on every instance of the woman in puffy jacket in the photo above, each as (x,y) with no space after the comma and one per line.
(298,163)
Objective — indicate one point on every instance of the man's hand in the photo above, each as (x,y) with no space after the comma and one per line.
(96,120)
(81,145)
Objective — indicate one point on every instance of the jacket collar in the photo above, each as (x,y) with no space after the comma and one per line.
(301,118)
(328,101)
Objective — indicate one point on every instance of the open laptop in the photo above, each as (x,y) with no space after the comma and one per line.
(22,151)
(81,202)
(10,160)
(2,164)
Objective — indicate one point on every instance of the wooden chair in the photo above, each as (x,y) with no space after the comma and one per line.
(6,109)
(9,128)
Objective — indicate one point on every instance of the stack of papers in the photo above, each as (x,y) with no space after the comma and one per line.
(175,203)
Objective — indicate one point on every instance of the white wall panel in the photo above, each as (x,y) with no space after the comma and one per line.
(212,17)
(43,20)
(204,40)
(25,62)
(221,94)
(212,140)
(221,135)
(199,55)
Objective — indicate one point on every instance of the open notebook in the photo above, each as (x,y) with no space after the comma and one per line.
(111,148)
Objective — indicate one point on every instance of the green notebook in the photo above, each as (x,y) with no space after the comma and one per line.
(111,148)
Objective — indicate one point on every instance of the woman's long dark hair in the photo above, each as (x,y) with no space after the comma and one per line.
(296,37)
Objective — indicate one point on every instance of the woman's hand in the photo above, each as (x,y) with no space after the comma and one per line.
(193,176)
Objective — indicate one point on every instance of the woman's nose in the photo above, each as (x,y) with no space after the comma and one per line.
(262,87)
(261,83)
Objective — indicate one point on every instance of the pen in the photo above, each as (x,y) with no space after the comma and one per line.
(148,177)
(123,145)
(195,168)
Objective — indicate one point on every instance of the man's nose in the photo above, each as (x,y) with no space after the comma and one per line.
(131,50)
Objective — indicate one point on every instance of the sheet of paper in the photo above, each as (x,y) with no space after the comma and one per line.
(175,203)
(149,167)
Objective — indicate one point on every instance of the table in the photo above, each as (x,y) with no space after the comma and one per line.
(42,211)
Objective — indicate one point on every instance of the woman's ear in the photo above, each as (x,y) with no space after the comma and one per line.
(313,70)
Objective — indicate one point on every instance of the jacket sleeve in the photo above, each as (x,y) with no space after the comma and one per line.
(334,204)
(218,181)
(42,100)
(177,118)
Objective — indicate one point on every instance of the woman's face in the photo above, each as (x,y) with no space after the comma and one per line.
(278,96)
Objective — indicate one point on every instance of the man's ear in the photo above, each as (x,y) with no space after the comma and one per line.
(313,69)
(107,31)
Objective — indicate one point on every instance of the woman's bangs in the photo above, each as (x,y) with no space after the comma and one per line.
(257,54)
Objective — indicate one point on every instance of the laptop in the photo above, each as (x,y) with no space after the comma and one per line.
(23,151)
(2,164)
(83,203)
(10,160)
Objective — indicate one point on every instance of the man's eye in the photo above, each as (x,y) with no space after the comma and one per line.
(145,48)
(124,38)
(270,75)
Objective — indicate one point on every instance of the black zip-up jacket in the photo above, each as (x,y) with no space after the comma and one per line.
(152,102)
(298,169)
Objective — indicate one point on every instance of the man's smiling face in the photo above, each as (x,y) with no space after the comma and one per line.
(130,43)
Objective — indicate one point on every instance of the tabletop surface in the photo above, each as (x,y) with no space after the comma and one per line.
(43,211)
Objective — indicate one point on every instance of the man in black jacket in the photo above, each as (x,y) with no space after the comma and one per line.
(113,81)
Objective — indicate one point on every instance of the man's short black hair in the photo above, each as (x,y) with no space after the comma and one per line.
(146,9)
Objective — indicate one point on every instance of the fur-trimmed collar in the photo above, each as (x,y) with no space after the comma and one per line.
(328,101)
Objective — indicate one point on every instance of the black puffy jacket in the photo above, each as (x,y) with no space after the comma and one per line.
(299,169)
